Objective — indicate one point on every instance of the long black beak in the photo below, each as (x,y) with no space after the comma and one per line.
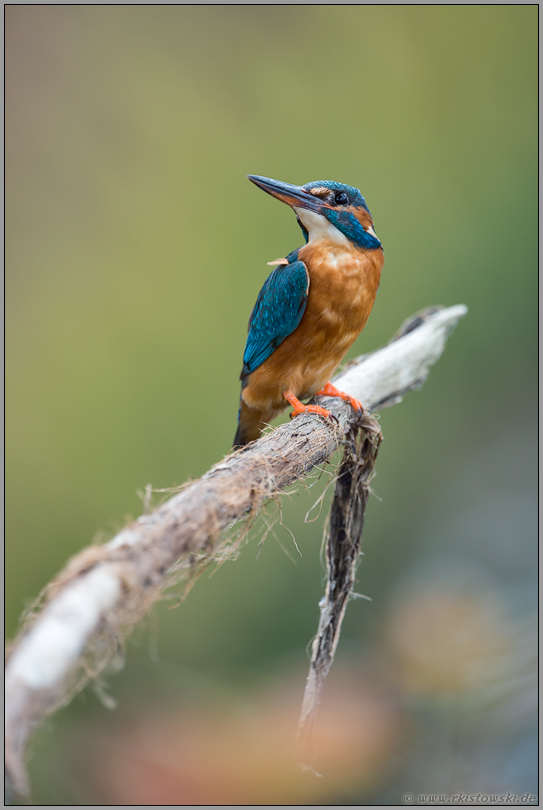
(295,196)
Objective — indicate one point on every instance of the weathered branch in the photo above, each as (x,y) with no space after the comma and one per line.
(105,589)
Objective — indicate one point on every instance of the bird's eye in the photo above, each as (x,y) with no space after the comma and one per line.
(341,198)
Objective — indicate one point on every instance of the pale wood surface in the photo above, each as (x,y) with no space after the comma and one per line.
(104,590)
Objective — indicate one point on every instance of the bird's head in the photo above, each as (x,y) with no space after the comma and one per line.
(326,210)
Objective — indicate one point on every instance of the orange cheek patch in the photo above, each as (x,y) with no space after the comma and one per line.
(362,216)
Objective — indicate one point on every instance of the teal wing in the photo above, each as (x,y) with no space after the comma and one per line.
(278,310)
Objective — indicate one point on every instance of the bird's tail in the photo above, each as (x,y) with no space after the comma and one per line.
(250,423)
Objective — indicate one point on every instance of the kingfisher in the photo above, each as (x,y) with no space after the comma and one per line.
(312,306)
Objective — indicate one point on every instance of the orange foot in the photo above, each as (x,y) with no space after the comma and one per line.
(299,408)
(330,390)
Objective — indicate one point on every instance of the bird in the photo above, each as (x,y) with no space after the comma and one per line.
(312,306)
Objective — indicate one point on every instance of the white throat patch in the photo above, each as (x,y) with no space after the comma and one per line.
(319,228)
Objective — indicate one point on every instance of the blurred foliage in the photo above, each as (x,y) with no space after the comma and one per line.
(134,252)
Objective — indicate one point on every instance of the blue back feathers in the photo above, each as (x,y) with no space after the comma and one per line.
(278,310)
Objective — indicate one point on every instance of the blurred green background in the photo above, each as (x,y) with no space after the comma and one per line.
(135,249)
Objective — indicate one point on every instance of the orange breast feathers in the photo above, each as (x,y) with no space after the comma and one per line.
(343,283)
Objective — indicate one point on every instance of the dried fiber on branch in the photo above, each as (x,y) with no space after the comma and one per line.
(91,606)
(343,540)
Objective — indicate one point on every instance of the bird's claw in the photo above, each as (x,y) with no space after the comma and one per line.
(298,407)
(330,390)
(313,409)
